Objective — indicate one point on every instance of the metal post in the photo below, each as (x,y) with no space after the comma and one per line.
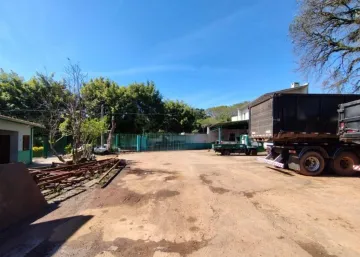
(102,134)
(31,143)
(138,143)
(219,135)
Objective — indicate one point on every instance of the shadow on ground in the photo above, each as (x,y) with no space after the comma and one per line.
(39,239)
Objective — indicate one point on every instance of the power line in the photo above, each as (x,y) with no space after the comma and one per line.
(116,113)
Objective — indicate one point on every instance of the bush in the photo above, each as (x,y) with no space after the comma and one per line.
(68,149)
(38,151)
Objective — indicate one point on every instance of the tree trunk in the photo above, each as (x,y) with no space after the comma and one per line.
(55,152)
(112,130)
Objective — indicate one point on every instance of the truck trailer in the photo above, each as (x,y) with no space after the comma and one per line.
(303,129)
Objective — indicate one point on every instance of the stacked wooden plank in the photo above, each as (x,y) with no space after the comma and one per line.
(55,179)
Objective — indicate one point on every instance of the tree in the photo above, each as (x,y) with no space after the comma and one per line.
(180,117)
(144,107)
(16,97)
(91,130)
(74,108)
(98,92)
(326,35)
(51,99)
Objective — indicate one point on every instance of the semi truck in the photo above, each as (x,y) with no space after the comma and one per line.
(349,125)
(303,130)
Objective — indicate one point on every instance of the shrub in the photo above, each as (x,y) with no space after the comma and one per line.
(68,149)
(38,151)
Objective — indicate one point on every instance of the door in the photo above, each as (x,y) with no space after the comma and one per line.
(4,149)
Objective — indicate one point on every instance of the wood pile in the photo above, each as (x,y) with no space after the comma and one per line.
(53,180)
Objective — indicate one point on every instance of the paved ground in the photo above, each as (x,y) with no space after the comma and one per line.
(193,203)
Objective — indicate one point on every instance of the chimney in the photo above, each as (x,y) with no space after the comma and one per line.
(295,84)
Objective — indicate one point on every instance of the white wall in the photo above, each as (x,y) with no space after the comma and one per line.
(242,115)
(22,130)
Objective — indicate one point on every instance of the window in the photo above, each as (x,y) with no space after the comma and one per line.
(232,137)
(26,142)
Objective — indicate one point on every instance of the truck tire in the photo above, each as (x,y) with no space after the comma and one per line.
(311,164)
(226,152)
(343,164)
(247,152)
(253,152)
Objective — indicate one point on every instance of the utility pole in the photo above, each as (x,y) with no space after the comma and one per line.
(102,134)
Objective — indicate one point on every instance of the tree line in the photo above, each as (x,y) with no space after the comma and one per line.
(73,106)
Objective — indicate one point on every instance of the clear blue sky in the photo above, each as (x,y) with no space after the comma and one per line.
(205,52)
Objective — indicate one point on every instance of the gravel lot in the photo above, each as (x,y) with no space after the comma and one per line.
(195,203)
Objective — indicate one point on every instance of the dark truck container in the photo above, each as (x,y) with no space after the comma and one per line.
(349,122)
(304,132)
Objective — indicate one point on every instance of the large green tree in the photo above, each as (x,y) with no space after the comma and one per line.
(180,117)
(17,98)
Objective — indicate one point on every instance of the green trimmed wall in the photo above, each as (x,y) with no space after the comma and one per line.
(24,156)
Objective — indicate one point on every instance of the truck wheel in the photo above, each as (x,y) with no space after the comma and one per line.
(253,152)
(344,162)
(226,152)
(247,152)
(311,164)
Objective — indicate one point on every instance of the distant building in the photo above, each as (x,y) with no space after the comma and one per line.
(16,140)
(243,113)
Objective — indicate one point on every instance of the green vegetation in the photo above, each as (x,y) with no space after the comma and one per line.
(38,151)
(221,113)
(137,108)
(72,107)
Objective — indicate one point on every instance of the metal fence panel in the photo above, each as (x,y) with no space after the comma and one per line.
(160,142)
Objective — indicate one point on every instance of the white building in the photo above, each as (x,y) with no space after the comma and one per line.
(16,137)
(242,114)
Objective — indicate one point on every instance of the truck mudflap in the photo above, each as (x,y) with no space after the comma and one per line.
(356,167)
(294,163)
(268,160)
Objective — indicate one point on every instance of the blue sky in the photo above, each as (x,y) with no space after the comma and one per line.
(205,52)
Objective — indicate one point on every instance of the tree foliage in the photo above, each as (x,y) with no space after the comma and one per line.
(180,117)
(221,113)
(326,35)
(72,107)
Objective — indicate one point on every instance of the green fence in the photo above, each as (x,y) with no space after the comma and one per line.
(160,142)
(59,147)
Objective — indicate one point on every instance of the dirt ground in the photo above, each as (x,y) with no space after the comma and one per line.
(194,203)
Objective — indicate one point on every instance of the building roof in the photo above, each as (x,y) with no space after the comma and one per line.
(267,96)
(241,124)
(29,123)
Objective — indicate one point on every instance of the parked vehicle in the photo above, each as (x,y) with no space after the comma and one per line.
(349,125)
(303,129)
(243,144)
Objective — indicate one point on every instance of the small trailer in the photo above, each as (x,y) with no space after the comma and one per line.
(303,129)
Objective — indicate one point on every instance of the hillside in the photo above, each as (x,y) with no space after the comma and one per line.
(221,113)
